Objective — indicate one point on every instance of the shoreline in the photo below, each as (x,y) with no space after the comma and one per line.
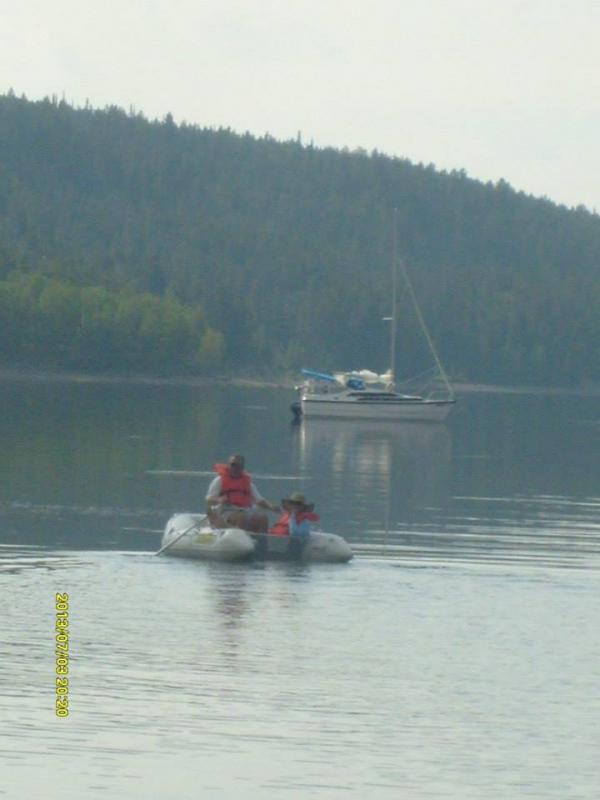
(38,376)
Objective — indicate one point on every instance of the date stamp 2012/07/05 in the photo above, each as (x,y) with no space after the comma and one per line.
(62,654)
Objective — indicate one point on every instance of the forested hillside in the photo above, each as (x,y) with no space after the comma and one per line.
(131,245)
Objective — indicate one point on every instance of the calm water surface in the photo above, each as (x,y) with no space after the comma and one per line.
(456,656)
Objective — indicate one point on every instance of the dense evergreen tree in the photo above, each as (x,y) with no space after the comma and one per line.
(131,244)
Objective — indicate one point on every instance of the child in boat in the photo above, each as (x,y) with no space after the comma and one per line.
(296,518)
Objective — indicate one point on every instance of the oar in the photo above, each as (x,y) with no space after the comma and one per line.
(180,536)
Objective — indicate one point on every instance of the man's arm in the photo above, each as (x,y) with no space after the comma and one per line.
(260,501)
(213,495)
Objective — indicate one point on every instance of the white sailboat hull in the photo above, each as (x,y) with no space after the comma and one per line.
(418,409)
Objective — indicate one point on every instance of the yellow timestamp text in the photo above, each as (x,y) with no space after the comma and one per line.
(62,654)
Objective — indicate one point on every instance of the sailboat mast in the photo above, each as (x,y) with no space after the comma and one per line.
(394,282)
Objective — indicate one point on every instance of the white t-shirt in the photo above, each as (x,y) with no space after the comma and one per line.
(214,490)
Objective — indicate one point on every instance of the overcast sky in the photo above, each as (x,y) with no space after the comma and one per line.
(501,88)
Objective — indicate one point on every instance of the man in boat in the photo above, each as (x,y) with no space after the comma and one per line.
(232,499)
(295,522)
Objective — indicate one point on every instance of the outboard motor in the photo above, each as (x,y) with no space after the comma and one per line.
(296,409)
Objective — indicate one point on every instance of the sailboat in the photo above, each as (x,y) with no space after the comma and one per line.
(364,394)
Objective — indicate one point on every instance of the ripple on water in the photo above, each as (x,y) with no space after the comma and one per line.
(20,558)
(538,531)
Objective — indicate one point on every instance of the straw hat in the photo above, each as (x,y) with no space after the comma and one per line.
(297,498)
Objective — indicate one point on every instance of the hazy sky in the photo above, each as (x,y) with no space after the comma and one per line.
(501,88)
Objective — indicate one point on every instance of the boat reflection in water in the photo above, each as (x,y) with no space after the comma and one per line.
(381,479)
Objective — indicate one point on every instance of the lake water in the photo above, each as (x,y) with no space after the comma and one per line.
(457,656)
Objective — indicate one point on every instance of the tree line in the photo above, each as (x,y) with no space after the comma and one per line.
(45,322)
(283,252)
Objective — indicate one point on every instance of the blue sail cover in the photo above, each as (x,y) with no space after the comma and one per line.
(321,376)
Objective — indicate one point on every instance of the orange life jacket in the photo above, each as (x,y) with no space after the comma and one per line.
(282,526)
(236,490)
